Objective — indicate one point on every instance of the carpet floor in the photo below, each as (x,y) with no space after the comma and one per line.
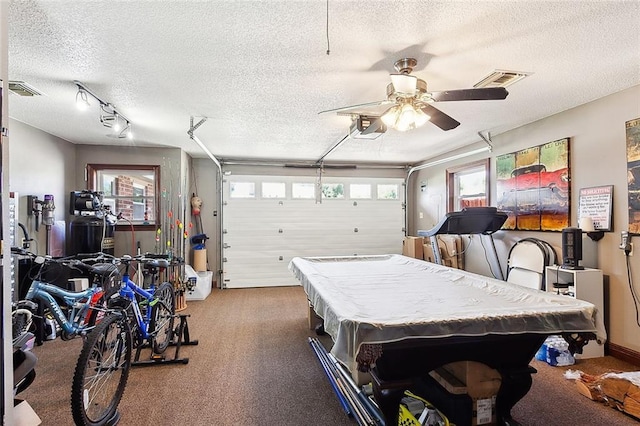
(253,366)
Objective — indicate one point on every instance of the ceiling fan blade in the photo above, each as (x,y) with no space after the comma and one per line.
(480,94)
(439,118)
(368,104)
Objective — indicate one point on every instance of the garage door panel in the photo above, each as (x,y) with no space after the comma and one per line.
(263,235)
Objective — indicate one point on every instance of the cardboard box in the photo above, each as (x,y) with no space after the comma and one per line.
(451,251)
(477,380)
(412,247)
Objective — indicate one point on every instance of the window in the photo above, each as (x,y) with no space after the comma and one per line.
(468,186)
(303,190)
(132,191)
(242,189)
(332,190)
(360,191)
(387,192)
(274,190)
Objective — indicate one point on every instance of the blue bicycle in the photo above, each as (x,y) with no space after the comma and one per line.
(149,316)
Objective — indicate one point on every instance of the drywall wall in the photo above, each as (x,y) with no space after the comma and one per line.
(171,180)
(598,157)
(41,164)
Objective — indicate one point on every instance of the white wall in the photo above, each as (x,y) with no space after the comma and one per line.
(598,157)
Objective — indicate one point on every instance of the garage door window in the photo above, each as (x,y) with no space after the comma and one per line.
(333,190)
(243,190)
(274,190)
(387,192)
(360,191)
(303,191)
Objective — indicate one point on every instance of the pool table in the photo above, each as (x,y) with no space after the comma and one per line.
(400,318)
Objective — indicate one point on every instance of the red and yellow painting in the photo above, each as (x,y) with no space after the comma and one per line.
(534,187)
(633,173)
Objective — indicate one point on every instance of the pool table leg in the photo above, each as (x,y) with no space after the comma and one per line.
(516,383)
(388,395)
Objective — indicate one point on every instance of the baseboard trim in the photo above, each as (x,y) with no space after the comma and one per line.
(624,354)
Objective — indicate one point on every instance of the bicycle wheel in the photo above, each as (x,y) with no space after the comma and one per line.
(162,314)
(101,372)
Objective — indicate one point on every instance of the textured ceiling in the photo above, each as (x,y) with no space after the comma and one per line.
(260,72)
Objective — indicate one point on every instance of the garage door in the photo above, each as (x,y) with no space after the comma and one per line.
(268,220)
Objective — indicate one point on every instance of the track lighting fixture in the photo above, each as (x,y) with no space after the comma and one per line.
(110,117)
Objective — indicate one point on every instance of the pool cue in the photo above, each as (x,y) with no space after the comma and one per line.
(368,404)
(359,412)
(362,415)
(350,401)
(334,385)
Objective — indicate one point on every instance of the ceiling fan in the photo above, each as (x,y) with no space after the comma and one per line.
(411,102)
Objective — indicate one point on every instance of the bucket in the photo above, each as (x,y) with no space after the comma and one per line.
(200,260)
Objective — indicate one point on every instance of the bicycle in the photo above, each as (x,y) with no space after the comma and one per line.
(84,309)
(151,310)
(148,317)
(104,362)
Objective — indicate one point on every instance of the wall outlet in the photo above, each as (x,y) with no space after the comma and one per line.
(625,242)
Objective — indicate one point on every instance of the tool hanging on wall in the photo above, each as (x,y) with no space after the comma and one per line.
(45,208)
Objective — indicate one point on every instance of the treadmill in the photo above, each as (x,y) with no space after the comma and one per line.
(468,221)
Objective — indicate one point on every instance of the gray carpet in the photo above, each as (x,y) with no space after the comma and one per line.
(253,366)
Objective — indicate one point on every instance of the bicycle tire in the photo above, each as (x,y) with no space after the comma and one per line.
(102,371)
(162,316)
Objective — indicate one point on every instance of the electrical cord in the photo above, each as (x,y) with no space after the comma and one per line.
(484,249)
(632,289)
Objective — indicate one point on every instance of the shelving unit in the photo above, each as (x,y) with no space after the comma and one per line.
(584,284)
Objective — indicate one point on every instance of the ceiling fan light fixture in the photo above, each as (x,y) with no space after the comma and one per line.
(407,118)
(421,117)
(405,85)
(390,117)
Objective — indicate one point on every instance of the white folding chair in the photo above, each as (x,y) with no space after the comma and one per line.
(526,264)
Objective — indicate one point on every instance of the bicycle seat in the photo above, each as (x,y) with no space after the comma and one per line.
(103,269)
(155,263)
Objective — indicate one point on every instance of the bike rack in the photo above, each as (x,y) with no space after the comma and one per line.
(183,338)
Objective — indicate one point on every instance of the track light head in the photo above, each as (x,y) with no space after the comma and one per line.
(110,117)
(82,101)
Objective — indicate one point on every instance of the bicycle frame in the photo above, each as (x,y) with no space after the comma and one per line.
(78,302)
(128,290)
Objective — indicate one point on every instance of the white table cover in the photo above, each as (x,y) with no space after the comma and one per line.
(378,299)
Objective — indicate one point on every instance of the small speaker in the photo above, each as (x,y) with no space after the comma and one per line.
(571,248)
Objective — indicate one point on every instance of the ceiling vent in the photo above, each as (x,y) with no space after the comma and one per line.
(23,89)
(501,78)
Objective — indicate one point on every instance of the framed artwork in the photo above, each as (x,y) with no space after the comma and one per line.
(534,187)
(633,173)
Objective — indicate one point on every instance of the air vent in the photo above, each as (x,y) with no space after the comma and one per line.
(501,78)
(23,89)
